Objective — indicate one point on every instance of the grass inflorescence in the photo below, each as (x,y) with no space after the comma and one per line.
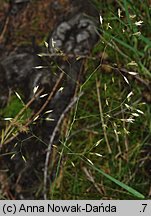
(101,155)
(103,151)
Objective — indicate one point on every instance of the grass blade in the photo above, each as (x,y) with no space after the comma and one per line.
(124,186)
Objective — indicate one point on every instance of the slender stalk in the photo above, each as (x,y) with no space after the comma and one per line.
(101,116)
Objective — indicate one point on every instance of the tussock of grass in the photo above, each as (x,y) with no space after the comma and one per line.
(101,154)
(111,113)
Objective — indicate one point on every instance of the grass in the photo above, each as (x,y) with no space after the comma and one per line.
(15,114)
(101,155)
(102,152)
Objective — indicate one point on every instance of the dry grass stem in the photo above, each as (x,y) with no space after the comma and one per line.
(102,117)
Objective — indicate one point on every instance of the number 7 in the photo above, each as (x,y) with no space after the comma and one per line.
(145,205)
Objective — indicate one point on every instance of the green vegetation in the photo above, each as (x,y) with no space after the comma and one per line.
(14,106)
(102,154)
(17,114)
(103,151)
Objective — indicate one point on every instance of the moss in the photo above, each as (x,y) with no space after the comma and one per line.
(14,106)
